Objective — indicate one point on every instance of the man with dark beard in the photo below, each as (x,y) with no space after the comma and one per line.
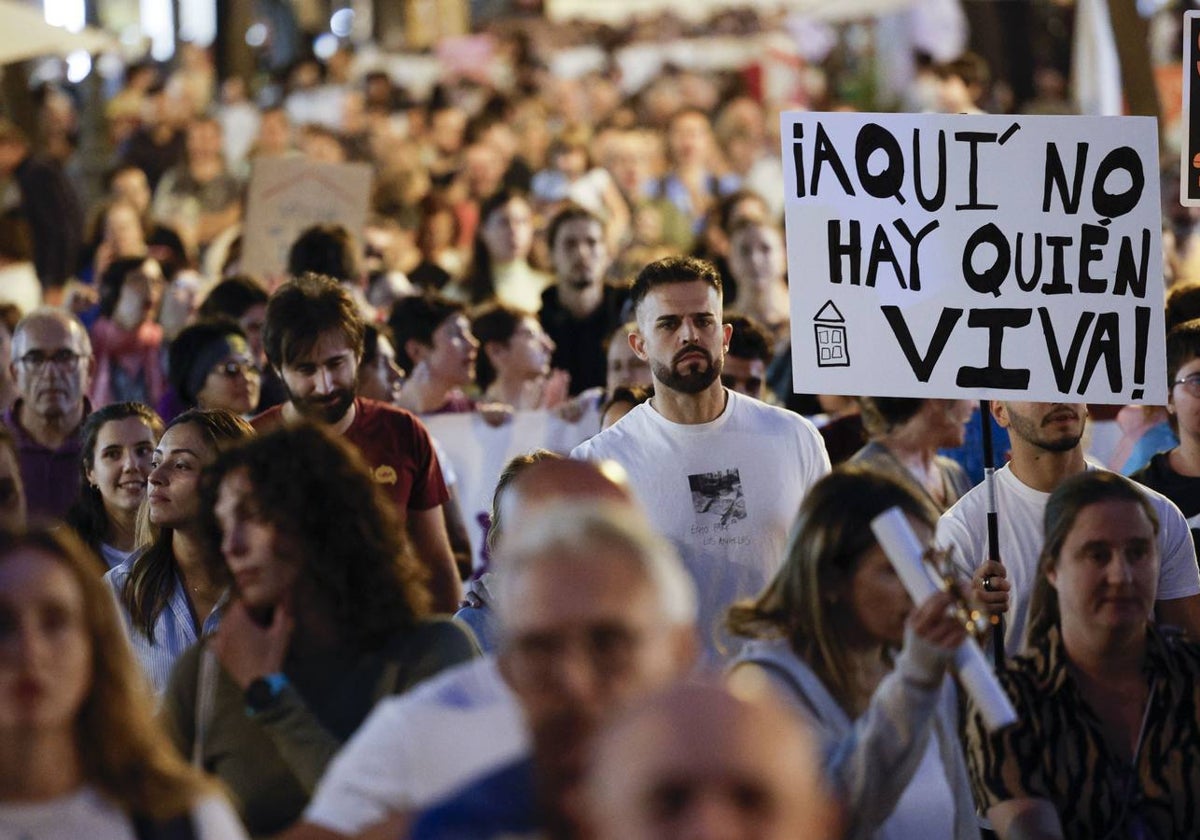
(1046,450)
(580,311)
(721,474)
(313,337)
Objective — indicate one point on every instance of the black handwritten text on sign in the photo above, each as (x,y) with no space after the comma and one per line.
(975,256)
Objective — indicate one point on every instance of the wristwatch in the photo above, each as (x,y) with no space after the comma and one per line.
(264,692)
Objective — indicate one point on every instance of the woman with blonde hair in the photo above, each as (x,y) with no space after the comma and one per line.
(80,752)
(838,635)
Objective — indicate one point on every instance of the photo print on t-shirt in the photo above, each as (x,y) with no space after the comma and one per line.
(717,498)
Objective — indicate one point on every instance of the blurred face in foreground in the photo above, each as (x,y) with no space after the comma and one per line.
(45,650)
(584,636)
(700,764)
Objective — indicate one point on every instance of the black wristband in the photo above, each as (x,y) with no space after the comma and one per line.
(264,692)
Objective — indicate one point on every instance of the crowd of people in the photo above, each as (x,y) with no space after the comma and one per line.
(241,596)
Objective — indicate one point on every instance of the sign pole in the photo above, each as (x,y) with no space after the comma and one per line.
(993,521)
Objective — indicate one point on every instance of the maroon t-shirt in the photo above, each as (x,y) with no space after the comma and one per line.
(395,445)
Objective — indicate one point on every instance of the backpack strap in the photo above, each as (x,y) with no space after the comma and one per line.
(777,658)
(206,699)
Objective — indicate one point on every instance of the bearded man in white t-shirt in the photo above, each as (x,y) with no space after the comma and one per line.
(1046,450)
(721,475)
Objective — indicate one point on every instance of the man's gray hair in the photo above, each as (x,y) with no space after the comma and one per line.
(43,314)
(567,530)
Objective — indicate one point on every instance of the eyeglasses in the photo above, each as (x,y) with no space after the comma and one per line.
(36,360)
(1191,384)
(234,368)
(537,658)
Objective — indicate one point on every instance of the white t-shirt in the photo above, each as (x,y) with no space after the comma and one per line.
(1021,510)
(419,747)
(724,492)
(88,813)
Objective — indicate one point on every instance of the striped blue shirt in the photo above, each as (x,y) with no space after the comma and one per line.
(174,629)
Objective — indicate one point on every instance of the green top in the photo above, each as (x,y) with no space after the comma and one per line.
(271,761)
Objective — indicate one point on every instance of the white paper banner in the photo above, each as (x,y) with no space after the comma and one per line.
(975,256)
(478,452)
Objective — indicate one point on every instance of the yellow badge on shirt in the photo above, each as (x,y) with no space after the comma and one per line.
(385,475)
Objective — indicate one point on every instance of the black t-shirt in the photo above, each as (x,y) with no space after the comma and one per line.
(579,344)
(1183,490)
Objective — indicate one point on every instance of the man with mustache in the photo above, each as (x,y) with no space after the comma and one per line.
(579,311)
(313,337)
(1046,450)
(722,475)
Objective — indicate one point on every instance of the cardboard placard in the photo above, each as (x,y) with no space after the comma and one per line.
(288,195)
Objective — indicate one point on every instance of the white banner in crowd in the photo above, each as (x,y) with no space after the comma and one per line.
(478,452)
(622,11)
(288,195)
(975,256)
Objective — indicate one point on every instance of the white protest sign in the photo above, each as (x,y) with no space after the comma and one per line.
(288,195)
(478,452)
(1189,149)
(984,257)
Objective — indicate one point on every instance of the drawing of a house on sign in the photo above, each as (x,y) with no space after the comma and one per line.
(829,327)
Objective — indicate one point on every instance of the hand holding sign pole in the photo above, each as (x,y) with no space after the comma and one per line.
(993,519)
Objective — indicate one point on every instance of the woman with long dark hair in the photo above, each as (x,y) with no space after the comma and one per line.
(170,591)
(118,446)
(330,613)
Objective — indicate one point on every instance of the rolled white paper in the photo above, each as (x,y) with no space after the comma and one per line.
(906,553)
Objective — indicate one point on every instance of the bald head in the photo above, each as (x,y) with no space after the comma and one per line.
(51,319)
(544,478)
(562,480)
(698,761)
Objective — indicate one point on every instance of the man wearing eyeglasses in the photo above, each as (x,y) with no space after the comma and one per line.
(1175,472)
(53,367)
(1047,449)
